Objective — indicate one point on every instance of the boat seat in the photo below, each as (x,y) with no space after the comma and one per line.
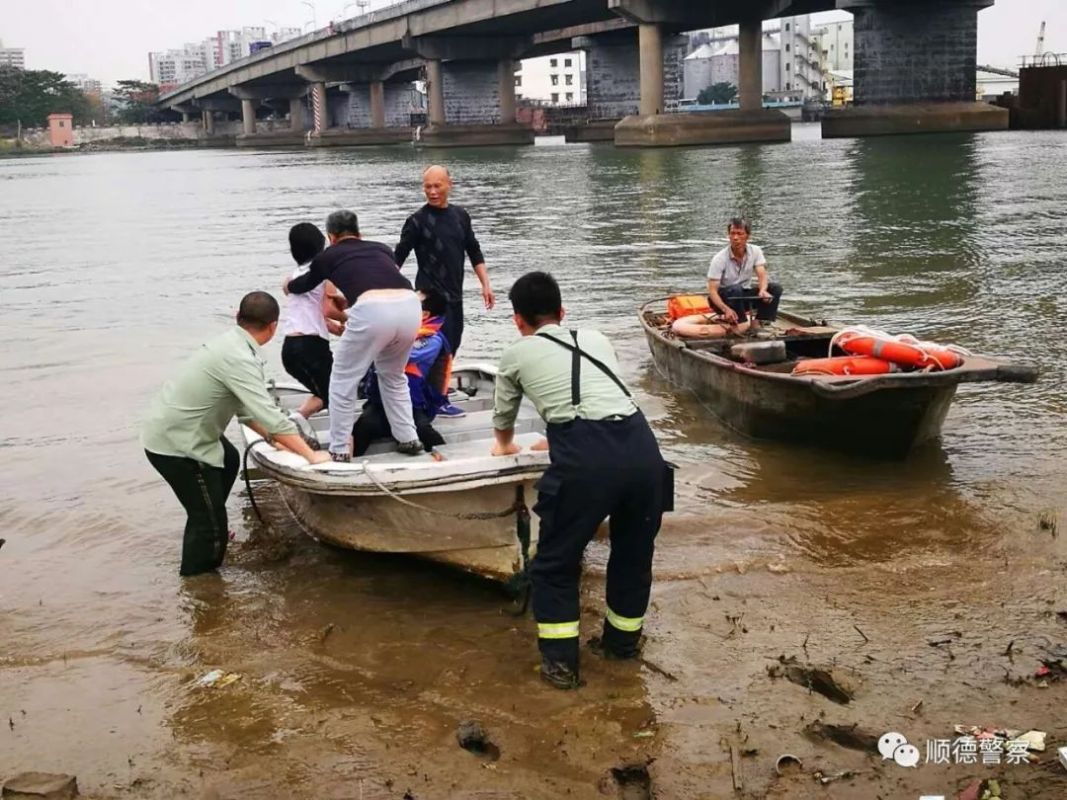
(477,426)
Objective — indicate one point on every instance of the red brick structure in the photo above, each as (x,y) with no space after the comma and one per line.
(61,130)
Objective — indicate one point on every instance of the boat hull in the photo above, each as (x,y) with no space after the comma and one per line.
(885,423)
(489,548)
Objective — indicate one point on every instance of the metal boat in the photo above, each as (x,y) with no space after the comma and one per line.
(882,416)
(457,505)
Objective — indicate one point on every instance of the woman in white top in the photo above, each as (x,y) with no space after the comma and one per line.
(309,320)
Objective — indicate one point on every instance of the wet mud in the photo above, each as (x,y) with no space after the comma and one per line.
(378,677)
(930,592)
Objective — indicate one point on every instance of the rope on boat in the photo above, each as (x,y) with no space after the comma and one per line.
(514,508)
(248,481)
(519,584)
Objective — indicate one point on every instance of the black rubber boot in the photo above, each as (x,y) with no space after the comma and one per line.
(616,646)
(559,674)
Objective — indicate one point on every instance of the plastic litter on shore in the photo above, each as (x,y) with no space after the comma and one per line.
(217,679)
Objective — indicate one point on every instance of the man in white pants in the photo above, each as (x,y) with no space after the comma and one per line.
(384,315)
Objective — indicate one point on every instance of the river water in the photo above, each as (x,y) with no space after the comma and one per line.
(115,266)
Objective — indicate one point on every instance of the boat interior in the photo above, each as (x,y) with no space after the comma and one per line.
(470,436)
(802,338)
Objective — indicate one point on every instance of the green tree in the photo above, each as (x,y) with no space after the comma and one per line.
(30,96)
(137,99)
(718,93)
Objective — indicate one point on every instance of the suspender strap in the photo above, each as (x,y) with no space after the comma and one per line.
(576,373)
(578,354)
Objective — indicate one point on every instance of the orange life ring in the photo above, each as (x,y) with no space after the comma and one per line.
(699,326)
(845,365)
(904,350)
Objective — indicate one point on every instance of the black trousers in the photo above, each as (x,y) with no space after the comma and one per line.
(767,312)
(202,490)
(372,425)
(600,469)
(309,360)
(452,327)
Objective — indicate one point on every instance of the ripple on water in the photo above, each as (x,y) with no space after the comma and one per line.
(951,238)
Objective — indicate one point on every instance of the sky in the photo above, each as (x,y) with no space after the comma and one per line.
(110,39)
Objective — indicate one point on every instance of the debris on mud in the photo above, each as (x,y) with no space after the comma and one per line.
(217,679)
(1051,669)
(981,790)
(474,738)
(811,678)
(787,764)
(736,769)
(851,737)
(628,782)
(1035,740)
(40,786)
(825,778)
(1048,522)
(944,639)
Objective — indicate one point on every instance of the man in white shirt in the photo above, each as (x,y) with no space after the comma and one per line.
(730,276)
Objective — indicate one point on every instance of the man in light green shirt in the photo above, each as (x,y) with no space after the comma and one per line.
(183,432)
(604,462)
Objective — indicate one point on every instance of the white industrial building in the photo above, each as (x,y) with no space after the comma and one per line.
(552,80)
(836,42)
(801,61)
(12,57)
(791,62)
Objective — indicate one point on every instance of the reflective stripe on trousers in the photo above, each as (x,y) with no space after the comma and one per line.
(557,630)
(624,624)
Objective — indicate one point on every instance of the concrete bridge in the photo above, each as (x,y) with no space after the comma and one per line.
(914,71)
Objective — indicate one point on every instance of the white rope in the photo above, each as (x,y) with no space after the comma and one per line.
(470,515)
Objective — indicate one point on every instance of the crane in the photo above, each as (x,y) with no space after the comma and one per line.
(1040,51)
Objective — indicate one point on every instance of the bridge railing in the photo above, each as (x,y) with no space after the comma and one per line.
(1045,60)
(388,12)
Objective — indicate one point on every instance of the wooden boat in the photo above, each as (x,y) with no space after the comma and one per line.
(459,505)
(883,415)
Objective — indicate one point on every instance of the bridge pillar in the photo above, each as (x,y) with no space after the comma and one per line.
(475,105)
(470,85)
(251,97)
(376,90)
(650,44)
(296,115)
(248,117)
(209,121)
(435,92)
(612,83)
(374,113)
(750,65)
(914,70)
(506,90)
(320,112)
(657,122)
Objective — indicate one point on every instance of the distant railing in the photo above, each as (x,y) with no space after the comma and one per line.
(1045,60)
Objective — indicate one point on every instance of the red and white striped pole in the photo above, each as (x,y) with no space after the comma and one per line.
(318,108)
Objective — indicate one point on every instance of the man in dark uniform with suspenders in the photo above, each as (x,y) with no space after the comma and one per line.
(604,463)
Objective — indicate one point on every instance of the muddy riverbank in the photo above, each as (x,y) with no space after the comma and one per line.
(365,702)
(907,580)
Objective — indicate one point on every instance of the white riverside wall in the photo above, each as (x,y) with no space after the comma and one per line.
(188,131)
